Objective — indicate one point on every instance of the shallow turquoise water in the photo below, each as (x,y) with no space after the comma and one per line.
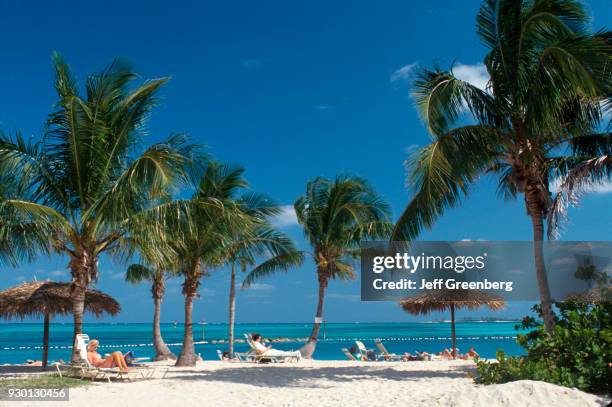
(21,341)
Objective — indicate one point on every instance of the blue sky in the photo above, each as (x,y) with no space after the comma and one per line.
(289,90)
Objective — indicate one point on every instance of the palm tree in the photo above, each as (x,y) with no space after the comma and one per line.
(200,236)
(263,242)
(82,190)
(138,273)
(534,121)
(337,216)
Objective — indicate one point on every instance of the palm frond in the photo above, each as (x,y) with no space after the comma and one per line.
(587,175)
(281,262)
(442,173)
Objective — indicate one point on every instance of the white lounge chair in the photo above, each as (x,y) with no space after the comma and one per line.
(362,350)
(384,353)
(349,355)
(86,370)
(254,356)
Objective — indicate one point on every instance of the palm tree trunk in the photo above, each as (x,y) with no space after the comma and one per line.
(317,325)
(187,357)
(83,268)
(161,349)
(232,310)
(45,356)
(309,348)
(453,334)
(78,307)
(545,298)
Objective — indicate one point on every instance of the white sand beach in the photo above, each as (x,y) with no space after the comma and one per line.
(324,383)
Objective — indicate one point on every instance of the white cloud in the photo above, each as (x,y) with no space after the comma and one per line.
(604,187)
(286,217)
(404,73)
(261,287)
(253,63)
(477,74)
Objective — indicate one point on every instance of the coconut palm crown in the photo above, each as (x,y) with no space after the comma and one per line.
(536,119)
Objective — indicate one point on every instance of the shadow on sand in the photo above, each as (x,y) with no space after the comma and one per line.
(306,376)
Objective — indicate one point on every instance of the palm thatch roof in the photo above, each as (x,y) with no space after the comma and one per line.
(53,298)
(440,300)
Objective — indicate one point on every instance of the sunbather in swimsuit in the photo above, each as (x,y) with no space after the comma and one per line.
(115,359)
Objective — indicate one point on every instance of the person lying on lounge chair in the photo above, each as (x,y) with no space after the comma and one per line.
(471,354)
(446,354)
(407,357)
(116,359)
(264,350)
(227,357)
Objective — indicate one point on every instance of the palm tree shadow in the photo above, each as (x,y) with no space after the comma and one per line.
(273,377)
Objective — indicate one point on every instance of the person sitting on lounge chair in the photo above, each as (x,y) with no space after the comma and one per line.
(264,350)
(357,354)
(116,359)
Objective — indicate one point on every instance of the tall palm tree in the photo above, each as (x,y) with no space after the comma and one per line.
(276,249)
(138,273)
(200,236)
(336,216)
(534,121)
(83,190)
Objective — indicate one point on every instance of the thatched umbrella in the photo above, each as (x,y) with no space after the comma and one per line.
(440,300)
(50,298)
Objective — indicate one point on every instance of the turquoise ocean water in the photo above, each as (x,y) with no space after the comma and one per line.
(22,341)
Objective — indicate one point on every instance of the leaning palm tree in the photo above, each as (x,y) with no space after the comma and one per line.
(200,235)
(337,216)
(534,121)
(138,273)
(84,189)
(274,249)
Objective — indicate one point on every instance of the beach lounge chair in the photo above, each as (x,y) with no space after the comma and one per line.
(384,353)
(86,370)
(254,356)
(349,355)
(362,350)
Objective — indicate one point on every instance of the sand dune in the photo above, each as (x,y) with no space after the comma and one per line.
(326,383)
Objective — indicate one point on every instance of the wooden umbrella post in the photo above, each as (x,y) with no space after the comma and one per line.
(45,356)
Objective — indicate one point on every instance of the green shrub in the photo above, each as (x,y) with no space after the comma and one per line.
(577,353)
